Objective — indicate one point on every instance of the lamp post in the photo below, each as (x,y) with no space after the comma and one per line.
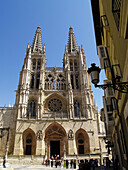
(116,84)
(109,144)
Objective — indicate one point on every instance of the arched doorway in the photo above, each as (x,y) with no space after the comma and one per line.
(82,142)
(29,142)
(56,140)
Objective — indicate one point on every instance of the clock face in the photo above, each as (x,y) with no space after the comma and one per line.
(55,105)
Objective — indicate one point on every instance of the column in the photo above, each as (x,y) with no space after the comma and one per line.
(39,145)
(18,147)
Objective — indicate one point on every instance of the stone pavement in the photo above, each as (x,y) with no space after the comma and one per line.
(40,167)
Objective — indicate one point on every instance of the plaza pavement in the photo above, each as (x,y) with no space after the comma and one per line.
(40,167)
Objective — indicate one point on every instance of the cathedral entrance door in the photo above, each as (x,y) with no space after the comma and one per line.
(28,149)
(54,148)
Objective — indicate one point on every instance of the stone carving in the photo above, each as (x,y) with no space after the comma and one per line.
(70,135)
(39,135)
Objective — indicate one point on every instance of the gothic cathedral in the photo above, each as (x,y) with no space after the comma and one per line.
(54,112)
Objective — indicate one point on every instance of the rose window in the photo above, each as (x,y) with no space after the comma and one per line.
(55,105)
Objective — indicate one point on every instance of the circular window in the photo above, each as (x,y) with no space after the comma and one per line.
(80,141)
(28,141)
(55,105)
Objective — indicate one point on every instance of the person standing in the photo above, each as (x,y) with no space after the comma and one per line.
(67,164)
(4,162)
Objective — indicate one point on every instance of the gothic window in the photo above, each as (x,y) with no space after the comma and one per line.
(80,142)
(55,105)
(72,82)
(34,65)
(75,65)
(77,82)
(35,78)
(38,65)
(32,109)
(49,82)
(57,83)
(32,81)
(77,108)
(37,81)
(71,66)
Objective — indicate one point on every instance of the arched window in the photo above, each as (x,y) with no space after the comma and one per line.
(80,143)
(71,66)
(32,109)
(77,109)
(72,82)
(33,65)
(38,65)
(75,66)
(35,78)
(77,82)
(37,81)
(32,81)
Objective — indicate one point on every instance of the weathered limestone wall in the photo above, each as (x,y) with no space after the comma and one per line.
(7,121)
(89,126)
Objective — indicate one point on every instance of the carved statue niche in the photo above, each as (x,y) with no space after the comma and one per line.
(70,93)
(70,135)
(39,135)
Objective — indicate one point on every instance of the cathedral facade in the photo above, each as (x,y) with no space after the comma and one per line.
(54,112)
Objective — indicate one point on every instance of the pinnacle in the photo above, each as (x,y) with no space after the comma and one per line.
(37,42)
(72,45)
(71,30)
(38,27)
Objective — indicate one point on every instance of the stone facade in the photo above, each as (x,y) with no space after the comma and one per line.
(54,112)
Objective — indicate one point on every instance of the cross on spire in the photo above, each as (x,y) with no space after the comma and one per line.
(37,42)
(72,45)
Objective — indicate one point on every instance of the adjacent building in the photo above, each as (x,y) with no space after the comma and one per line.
(111,30)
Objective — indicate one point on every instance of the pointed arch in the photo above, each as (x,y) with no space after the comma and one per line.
(77,108)
(29,142)
(55,138)
(55,127)
(32,108)
(82,141)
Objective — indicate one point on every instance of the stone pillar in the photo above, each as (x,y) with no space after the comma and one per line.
(64,150)
(71,147)
(39,147)
(18,147)
(71,143)
(45,150)
(39,144)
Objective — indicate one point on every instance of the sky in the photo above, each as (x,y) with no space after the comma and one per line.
(19,20)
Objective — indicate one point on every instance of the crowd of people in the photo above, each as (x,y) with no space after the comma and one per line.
(65,163)
(79,164)
(56,161)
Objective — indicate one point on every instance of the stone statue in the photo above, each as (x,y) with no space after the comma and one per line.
(70,135)
(39,135)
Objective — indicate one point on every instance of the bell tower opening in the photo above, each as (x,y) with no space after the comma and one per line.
(54,148)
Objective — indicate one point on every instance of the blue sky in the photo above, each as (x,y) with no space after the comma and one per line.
(18,22)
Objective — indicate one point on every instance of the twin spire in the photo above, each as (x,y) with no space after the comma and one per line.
(37,42)
(72,45)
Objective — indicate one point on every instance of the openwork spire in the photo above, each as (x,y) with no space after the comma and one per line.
(37,42)
(72,45)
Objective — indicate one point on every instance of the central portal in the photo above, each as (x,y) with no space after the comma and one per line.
(54,148)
